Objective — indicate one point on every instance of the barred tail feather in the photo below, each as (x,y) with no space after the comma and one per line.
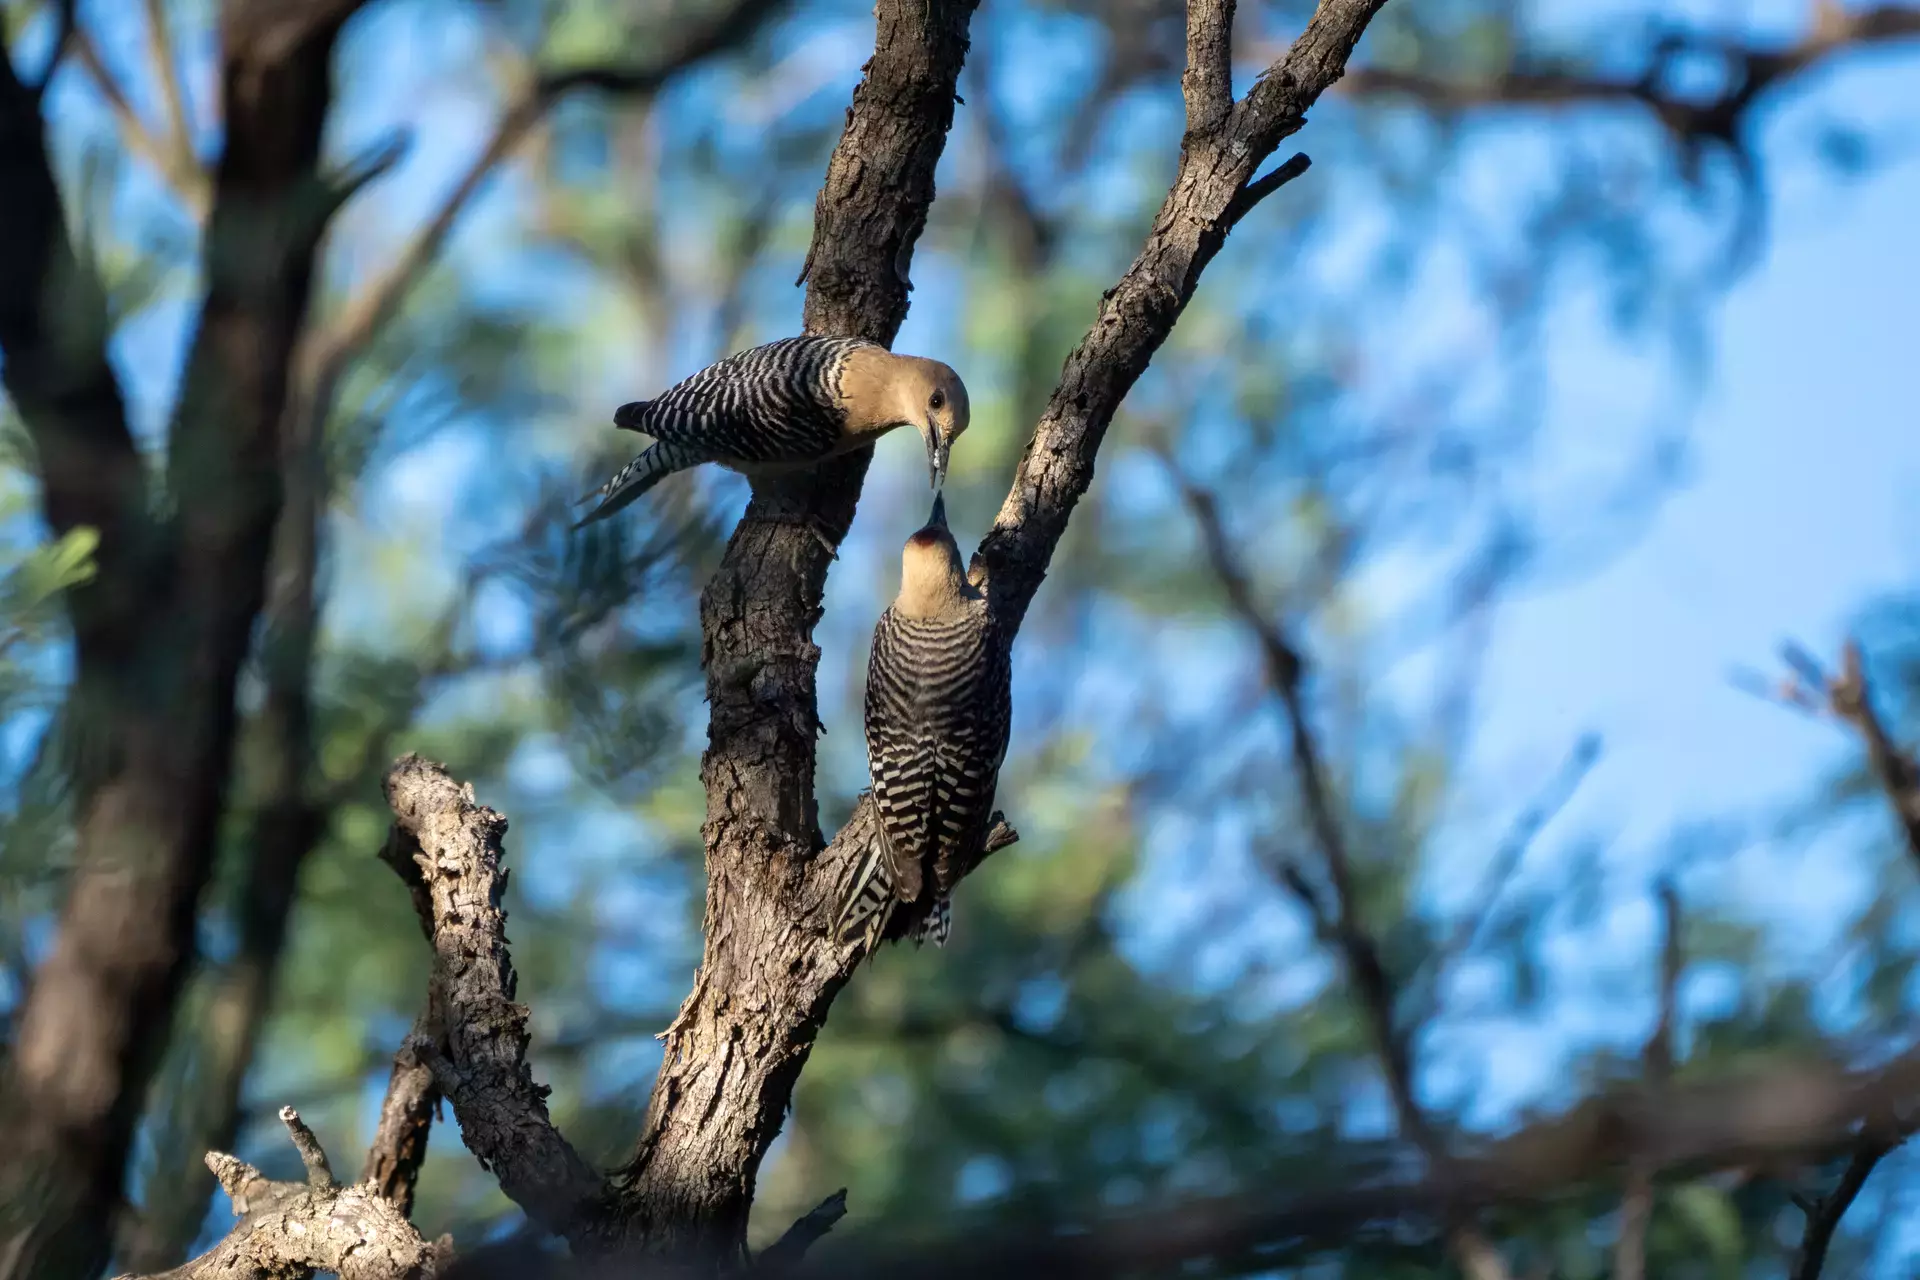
(632,417)
(937,926)
(631,481)
(869,901)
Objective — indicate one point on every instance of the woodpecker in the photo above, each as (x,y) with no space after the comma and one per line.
(939,703)
(786,405)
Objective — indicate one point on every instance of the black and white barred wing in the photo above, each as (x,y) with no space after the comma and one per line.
(902,754)
(772,403)
(970,755)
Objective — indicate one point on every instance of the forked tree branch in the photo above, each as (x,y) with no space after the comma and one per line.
(770,972)
(1218,160)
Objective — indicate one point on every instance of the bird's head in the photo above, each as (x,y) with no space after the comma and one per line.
(932,578)
(931,396)
(880,391)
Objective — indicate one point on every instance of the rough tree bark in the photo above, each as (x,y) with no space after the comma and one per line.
(162,630)
(769,971)
(765,980)
(289,1230)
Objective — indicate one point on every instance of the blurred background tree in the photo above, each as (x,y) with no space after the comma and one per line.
(1375,435)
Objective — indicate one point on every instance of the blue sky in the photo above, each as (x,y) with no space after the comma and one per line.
(1800,510)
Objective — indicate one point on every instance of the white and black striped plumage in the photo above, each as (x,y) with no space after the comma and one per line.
(790,403)
(938,708)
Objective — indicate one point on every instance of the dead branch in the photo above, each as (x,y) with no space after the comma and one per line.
(399,1144)
(289,1230)
(481,1065)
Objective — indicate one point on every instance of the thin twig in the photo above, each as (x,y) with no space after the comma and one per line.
(1636,1205)
(312,1154)
(1851,699)
(1823,1218)
(173,93)
(1372,984)
(1512,849)
(188,183)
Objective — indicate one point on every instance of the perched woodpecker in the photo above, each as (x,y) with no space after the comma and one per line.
(785,405)
(939,702)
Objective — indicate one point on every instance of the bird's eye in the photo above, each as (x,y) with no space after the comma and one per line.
(939,400)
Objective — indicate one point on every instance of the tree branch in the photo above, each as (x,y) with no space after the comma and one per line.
(1138,313)
(1752,72)
(1207,84)
(1342,926)
(362,317)
(483,1068)
(1850,699)
(162,631)
(407,1110)
(176,167)
(785,1254)
(769,972)
(1823,1217)
(289,1230)
(173,94)
(1636,1206)
(1786,1113)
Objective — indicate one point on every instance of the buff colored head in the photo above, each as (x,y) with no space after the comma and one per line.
(933,582)
(881,391)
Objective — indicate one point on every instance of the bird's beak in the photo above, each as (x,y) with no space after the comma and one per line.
(936,457)
(937,518)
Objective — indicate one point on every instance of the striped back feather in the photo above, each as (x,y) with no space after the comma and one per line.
(777,403)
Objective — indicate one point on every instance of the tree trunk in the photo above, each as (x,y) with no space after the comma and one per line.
(164,630)
(765,980)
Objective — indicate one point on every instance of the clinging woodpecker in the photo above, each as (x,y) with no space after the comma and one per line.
(939,703)
(788,404)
